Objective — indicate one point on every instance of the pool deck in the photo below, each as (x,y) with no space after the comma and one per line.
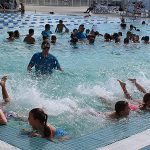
(60,10)
(64,10)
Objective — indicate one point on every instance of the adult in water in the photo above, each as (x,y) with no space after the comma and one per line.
(80,34)
(44,62)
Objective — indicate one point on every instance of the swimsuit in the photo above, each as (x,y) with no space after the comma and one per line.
(60,132)
(133,107)
(46,33)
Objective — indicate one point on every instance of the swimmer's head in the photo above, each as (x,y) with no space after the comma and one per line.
(115,35)
(16,34)
(10,33)
(45,38)
(117,40)
(96,33)
(91,40)
(131,27)
(107,37)
(81,28)
(146,39)
(120,33)
(129,34)
(87,31)
(126,41)
(31,31)
(37,118)
(74,41)
(122,108)
(136,38)
(60,21)
(53,39)
(75,30)
(45,45)
(143,37)
(146,100)
(47,27)
(123,25)
(143,22)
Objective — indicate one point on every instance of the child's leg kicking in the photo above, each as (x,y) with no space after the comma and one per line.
(4,90)
(123,86)
(138,86)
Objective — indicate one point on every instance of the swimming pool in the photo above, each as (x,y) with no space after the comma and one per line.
(89,71)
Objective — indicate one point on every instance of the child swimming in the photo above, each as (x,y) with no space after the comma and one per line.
(47,31)
(122,110)
(11,36)
(142,105)
(29,39)
(16,34)
(38,120)
(53,39)
(60,27)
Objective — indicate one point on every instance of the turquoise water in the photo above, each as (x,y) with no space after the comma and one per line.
(89,71)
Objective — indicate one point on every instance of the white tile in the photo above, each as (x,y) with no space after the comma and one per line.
(134,142)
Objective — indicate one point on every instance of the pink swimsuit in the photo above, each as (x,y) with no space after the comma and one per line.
(133,107)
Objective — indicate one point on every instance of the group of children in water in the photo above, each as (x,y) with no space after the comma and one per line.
(46,34)
(82,35)
(38,118)
(78,35)
(130,36)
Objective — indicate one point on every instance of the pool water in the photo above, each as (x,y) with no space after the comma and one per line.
(90,71)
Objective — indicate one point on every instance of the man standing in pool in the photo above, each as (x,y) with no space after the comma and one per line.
(44,62)
(80,34)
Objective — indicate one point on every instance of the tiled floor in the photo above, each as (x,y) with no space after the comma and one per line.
(92,141)
(135,142)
